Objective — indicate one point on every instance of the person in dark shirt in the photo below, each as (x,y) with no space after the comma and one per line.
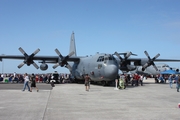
(33,83)
(87,80)
(178,83)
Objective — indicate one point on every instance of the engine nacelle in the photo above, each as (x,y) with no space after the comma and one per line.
(140,69)
(137,63)
(141,62)
(43,66)
(127,68)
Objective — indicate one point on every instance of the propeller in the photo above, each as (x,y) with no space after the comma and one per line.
(28,59)
(127,53)
(150,61)
(126,56)
(63,60)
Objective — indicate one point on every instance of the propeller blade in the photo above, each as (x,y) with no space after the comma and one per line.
(156,56)
(22,51)
(145,65)
(56,65)
(35,65)
(134,54)
(70,54)
(155,67)
(69,67)
(20,65)
(147,54)
(127,55)
(35,52)
(57,51)
(118,56)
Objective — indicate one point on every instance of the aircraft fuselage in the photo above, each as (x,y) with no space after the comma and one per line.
(100,67)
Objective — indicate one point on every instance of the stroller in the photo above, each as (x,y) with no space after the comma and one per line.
(122,84)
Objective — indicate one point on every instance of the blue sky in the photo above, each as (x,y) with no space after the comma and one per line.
(99,25)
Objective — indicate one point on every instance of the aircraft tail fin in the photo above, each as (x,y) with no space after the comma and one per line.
(72,45)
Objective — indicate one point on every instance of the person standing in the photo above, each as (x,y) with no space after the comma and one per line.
(170,81)
(141,79)
(176,80)
(87,79)
(26,82)
(122,82)
(33,82)
(137,77)
(178,83)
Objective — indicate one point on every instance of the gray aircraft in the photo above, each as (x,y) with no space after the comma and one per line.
(161,67)
(101,67)
(151,71)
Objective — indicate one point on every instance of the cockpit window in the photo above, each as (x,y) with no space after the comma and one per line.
(100,59)
(111,58)
(106,57)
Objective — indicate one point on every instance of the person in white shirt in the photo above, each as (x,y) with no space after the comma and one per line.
(141,79)
(26,82)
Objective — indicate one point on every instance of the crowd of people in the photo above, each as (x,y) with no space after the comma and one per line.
(43,78)
(172,78)
(124,80)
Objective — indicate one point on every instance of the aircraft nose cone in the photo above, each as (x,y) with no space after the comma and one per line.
(111,71)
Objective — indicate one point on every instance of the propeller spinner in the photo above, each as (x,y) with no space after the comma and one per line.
(63,60)
(28,58)
(150,61)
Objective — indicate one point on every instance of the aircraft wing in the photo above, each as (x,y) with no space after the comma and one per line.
(156,60)
(43,60)
(145,62)
(59,60)
(46,59)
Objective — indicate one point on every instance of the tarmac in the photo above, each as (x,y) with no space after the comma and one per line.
(151,101)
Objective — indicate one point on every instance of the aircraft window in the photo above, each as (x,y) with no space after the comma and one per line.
(100,59)
(106,58)
(111,58)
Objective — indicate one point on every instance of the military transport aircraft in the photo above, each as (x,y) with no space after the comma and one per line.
(101,67)
(151,71)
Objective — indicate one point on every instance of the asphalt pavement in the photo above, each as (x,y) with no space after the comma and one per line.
(71,102)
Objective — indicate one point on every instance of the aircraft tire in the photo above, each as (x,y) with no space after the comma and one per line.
(103,83)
